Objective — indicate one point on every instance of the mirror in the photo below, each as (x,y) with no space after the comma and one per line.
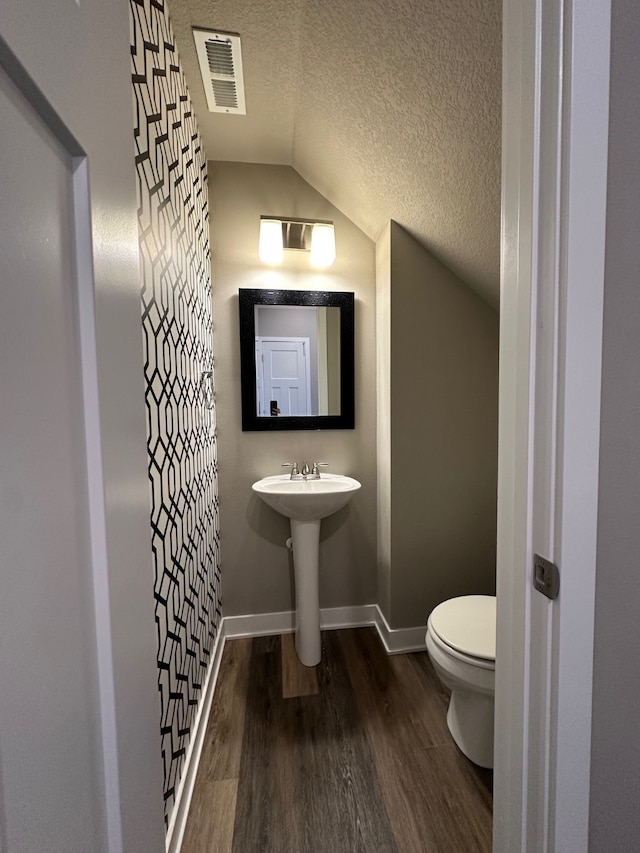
(296,359)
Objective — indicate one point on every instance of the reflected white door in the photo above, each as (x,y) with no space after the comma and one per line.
(50,772)
(283,376)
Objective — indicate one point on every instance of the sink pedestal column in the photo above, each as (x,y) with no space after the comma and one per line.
(305,537)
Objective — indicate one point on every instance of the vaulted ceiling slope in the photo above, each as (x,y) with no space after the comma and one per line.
(389,108)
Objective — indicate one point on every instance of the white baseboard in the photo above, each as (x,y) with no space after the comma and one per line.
(178,819)
(400,640)
(259,624)
(265,624)
(395,641)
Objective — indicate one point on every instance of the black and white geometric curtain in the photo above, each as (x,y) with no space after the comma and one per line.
(173,223)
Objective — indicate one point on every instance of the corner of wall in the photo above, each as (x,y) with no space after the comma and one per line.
(383,428)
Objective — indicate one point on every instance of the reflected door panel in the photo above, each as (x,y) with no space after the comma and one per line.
(284,365)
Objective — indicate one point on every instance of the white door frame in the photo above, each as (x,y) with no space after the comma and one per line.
(39,44)
(555,133)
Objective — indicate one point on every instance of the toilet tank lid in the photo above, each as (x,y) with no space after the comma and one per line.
(467,624)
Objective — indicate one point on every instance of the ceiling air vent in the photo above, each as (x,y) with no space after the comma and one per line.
(221,68)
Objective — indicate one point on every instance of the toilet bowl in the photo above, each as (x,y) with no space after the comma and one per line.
(461,641)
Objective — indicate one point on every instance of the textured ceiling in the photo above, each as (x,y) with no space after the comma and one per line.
(389,108)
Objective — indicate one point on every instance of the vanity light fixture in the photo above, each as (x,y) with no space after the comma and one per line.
(323,244)
(303,235)
(271,243)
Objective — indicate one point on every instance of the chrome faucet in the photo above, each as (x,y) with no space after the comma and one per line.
(295,471)
(306,473)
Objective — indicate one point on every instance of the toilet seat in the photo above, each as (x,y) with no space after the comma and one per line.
(435,644)
(467,625)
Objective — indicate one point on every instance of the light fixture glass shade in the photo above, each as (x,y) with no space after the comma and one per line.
(323,245)
(270,249)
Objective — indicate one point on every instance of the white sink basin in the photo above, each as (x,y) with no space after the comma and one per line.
(306,500)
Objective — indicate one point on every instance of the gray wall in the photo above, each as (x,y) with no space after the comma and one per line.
(443,395)
(256,565)
(615,771)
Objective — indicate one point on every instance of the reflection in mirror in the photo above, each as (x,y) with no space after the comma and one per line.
(297,353)
(297,360)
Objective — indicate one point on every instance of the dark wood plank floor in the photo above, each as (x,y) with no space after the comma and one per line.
(351,756)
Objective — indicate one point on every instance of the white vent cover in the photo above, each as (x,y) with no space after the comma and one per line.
(221,68)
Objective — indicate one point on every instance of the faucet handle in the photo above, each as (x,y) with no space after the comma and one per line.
(316,468)
(294,467)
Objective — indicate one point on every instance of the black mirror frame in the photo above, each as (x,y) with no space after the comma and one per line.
(248,299)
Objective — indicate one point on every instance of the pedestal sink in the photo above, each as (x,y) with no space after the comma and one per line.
(305,503)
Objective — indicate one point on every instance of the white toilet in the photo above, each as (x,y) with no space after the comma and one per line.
(461,641)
